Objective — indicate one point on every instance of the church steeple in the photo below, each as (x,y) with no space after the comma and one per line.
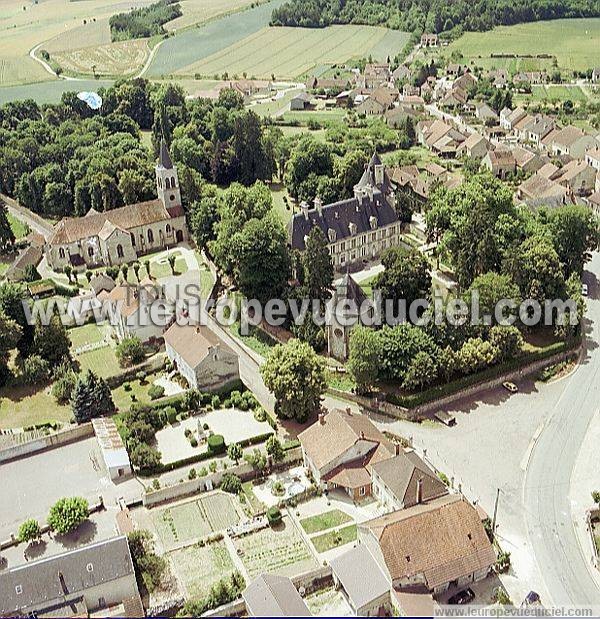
(167,182)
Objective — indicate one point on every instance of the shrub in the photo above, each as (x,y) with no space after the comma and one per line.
(212,467)
(216,444)
(67,514)
(274,516)
(156,484)
(202,472)
(187,432)
(170,413)
(29,531)
(231,483)
(126,387)
(35,369)
(192,474)
(596,496)
(141,376)
(194,441)
(130,351)
(145,456)
(503,562)
(277,489)
(215,401)
(156,391)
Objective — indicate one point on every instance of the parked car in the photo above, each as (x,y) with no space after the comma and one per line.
(531,599)
(445,418)
(462,597)
(510,387)
(585,290)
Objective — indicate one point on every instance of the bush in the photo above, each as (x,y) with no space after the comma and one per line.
(67,514)
(156,391)
(231,483)
(192,474)
(170,413)
(29,531)
(215,401)
(126,387)
(216,444)
(35,370)
(130,351)
(502,562)
(194,441)
(145,456)
(274,516)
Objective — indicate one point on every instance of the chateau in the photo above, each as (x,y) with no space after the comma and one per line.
(122,234)
(357,229)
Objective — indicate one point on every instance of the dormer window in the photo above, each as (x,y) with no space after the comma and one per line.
(331,234)
(373,222)
(352,228)
(19,589)
(89,567)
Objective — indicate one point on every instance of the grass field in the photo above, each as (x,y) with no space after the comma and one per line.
(281,551)
(333,539)
(292,52)
(558,93)
(321,522)
(196,12)
(18,227)
(574,42)
(47,92)
(199,567)
(85,334)
(102,361)
(24,406)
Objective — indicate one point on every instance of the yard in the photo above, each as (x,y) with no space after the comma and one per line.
(322,522)
(102,361)
(281,551)
(26,405)
(138,392)
(334,539)
(85,334)
(193,520)
(199,567)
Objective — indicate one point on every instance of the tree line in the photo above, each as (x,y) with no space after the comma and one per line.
(145,21)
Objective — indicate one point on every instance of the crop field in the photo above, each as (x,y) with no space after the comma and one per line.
(90,34)
(276,551)
(193,520)
(558,93)
(195,44)
(200,567)
(47,92)
(292,52)
(199,11)
(574,43)
(122,58)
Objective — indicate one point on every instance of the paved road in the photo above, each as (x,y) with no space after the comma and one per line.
(562,561)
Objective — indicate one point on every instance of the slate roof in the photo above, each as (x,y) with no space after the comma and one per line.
(47,579)
(269,595)
(164,159)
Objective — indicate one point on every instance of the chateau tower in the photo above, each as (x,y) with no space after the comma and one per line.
(167,182)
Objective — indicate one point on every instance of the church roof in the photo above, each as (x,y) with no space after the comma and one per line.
(164,159)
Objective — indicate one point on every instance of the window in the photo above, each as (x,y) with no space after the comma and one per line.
(91,252)
(18,589)
(101,602)
(61,252)
(120,253)
(89,567)
(168,228)
(362,491)
(167,183)
(150,236)
(173,185)
(132,239)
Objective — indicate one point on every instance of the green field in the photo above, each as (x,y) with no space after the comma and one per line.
(18,227)
(102,361)
(195,12)
(26,405)
(558,93)
(321,522)
(86,334)
(574,43)
(48,92)
(292,52)
(334,539)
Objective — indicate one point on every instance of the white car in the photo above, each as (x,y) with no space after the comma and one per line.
(510,387)
(584,290)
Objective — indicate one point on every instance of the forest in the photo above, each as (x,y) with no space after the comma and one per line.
(144,22)
(438,16)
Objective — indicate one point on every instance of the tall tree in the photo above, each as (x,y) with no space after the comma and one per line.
(365,357)
(317,266)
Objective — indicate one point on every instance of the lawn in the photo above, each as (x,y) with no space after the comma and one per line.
(558,93)
(252,500)
(86,334)
(282,203)
(26,406)
(199,567)
(162,268)
(321,522)
(331,116)
(574,43)
(334,539)
(281,551)
(18,227)
(102,361)
(292,52)
(138,390)
(257,340)
(340,380)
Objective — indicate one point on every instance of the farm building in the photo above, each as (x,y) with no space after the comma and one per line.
(113,450)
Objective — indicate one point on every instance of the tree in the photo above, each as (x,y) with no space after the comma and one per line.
(65,380)
(145,457)
(422,371)
(507,340)
(365,356)
(447,362)
(29,531)
(235,452)
(257,460)
(231,483)
(91,398)
(491,288)
(296,376)
(476,354)
(51,341)
(171,259)
(310,159)
(130,351)
(317,266)
(274,448)
(149,567)
(35,369)
(67,514)
(7,236)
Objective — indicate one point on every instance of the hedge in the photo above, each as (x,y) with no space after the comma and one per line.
(440,391)
(216,444)
(255,440)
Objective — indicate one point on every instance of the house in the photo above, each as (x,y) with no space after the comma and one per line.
(98,577)
(131,310)
(500,162)
(203,359)
(27,258)
(484,112)
(340,450)
(435,171)
(269,595)
(409,89)
(402,72)
(386,96)
(454,69)
(574,142)
(474,146)
(430,547)
(465,81)
(577,176)
(300,102)
(429,40)
(593,201)
(527,160)
(112,448)
(358,228)
(536,129)
(376,75)
(592,158)
(370,107)
(405,480)
(362,582)
(426,91)
(538,190)
(101,282)
(327,84)
(414,102)
(396,116)
(509,118)
(454,99)
(122,234)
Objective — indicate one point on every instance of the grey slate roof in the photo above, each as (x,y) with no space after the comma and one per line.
(269,595)
(164,158)
(360,575)
(50,579)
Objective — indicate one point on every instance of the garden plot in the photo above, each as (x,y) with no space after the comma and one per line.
(200,567)
(190,521)
(281,550)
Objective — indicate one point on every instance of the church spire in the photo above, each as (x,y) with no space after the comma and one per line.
(164,159)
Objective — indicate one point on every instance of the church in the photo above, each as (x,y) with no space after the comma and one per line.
(358,229)
(123,234)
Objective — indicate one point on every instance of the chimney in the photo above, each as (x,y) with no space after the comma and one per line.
(304,209)
(397,448)
(349,410)
(319,205)
(362,435)
(322,419)
(419,490)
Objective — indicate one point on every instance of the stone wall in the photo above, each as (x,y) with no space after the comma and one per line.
(74,433)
